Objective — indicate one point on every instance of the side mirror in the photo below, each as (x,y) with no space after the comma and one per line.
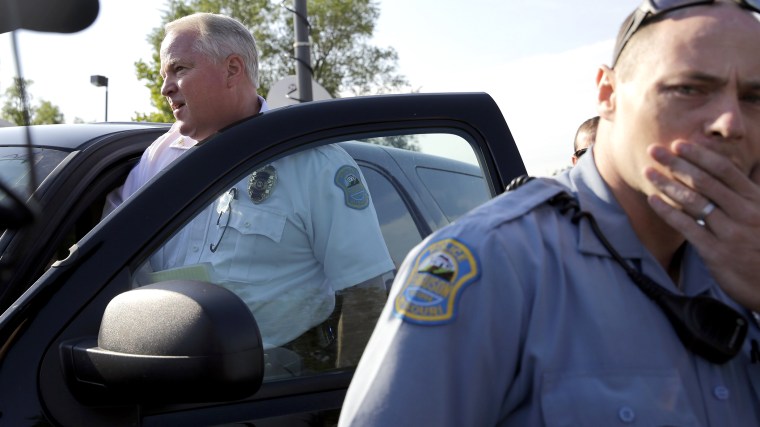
(50,16)
(170,342)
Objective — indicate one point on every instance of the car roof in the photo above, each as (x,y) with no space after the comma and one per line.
(68,137)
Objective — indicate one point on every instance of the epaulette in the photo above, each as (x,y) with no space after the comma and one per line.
(525,193)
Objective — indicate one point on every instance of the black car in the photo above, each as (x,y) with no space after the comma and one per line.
(73,350)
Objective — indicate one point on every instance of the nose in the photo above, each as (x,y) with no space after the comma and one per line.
(726,122)
(168,87)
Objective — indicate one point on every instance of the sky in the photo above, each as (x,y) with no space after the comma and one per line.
(538,60)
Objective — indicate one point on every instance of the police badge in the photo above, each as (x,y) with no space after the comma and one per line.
(261,183)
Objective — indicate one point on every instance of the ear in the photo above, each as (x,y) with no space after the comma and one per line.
(605,92)
(235,69)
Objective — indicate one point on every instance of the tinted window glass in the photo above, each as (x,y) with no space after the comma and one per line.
(310,241)
(396,223)
(456,193)
(14,166)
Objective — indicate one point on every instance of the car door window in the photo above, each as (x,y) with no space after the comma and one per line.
(310,242)
(455,192)
(397,224)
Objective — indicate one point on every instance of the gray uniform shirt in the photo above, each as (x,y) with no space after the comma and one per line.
(515,316)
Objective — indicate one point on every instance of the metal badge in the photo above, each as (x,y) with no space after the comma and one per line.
(261,183)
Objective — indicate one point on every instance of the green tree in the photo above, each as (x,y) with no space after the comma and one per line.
(13,108)
(47,113)
(343,60)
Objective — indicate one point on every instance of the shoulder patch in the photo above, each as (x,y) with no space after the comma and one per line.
(430,295)
(348,179)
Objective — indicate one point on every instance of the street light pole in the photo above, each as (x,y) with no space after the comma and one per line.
(101,81)
(303,56)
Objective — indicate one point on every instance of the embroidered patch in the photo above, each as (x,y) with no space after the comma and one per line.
(261,183)
(349,180)
(429,296)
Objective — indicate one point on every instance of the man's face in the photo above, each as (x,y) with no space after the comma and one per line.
(194,85)
(699,82)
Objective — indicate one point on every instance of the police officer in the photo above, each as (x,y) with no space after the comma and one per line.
(529,312)
(584,138)
(286,238)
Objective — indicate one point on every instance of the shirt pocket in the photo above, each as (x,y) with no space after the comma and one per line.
(251,251)
(248,220)
(650,398)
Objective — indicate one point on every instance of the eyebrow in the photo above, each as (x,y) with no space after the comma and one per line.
(706,78)
(711,79)
(166,64)
(169,62)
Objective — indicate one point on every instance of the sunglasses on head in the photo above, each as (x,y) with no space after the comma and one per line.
(651,8)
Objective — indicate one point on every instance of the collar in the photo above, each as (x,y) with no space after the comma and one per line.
(595,196)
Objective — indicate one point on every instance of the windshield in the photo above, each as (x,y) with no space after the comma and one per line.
(14,167)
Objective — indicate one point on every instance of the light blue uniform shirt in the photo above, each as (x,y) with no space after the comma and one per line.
(515,316)
(288,254)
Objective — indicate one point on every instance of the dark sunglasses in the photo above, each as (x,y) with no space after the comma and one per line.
(652,8)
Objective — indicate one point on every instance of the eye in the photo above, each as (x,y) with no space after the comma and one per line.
(752,98)
(685,90)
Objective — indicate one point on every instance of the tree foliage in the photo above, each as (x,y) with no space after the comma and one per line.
(343,60)
(13,107)
(47,113)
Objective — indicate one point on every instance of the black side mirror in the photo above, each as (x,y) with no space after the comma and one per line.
(50,16)
(170,342)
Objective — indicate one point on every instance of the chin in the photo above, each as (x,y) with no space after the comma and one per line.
(186,130)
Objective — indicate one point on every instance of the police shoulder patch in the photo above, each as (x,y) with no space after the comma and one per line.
(430,295)
(348,179)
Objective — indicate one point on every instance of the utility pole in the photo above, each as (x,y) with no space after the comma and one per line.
(303,55)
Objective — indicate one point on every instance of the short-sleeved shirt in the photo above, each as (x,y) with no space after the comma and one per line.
(288,252)
(515,316)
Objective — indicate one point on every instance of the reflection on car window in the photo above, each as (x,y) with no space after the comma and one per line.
(455,192)
(15,166)
(310,242)
(396,222)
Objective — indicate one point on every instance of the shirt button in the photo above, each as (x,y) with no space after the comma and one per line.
(247,224)
(196,248)
(626,414)
(720,393)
